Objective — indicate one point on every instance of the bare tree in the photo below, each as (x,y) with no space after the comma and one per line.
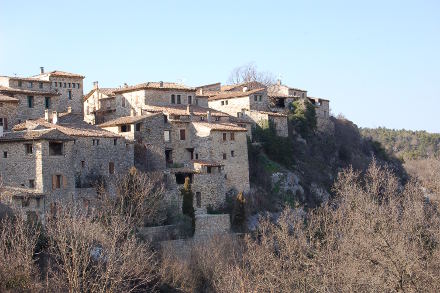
(87,255)
(18,240)
(249,73)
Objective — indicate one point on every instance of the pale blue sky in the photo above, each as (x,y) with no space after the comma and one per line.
(377,61)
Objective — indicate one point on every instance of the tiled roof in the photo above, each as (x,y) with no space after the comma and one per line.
(155,85)
(71,126)
(47,134)
(4,89)
(4,98)
(59,73)
(126,120)
(318,99)
(105,91)
(182,110)
(223,126)
(26,78)
(207,93)
(232,94)
(280,95)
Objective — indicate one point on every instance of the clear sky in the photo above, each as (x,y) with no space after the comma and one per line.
(377,61)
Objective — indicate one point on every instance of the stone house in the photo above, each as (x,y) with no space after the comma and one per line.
(8,111)
(147,132)
(68,85)
(59,158)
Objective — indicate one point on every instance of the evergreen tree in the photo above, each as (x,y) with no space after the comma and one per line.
(187,203)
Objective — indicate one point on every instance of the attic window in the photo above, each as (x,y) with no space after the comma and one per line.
(55,148)
(126,128)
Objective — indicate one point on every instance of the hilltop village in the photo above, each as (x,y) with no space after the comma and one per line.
(56,140)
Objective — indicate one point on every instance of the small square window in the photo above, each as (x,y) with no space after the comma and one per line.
(83,164)
(5,155)
(255,98)
(166,135)
(173,99)
(226,102)
(224,136)
(182,134)
(232,154)
(40,85)
(138,127)
(232,135)
(30,100)
(208,169)
(111,168)
(223,103)
(115,141)
(178,100)
(197,156)
(20,84)
(31,183)
(217,118)
(224,156)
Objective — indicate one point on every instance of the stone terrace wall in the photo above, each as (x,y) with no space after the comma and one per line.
(212,225)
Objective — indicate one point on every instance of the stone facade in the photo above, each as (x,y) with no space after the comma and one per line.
(8,112)
(279,121)
(209,225)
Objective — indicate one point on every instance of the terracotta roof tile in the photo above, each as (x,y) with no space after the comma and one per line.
(182,110)
(155,85)
(6,99)
(234,94)
(47,134)
(105,91)
(127,120)
(59,74)
(4,89)
(220,126)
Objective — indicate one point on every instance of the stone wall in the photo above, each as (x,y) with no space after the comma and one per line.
(37,111)
(159,233)
(262,119)
(8,110)
(76,100)
(208,225)
(233,106)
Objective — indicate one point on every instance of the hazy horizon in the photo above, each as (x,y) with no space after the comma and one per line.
(377,62)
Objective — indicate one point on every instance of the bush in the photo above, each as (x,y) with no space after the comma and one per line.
(302,117)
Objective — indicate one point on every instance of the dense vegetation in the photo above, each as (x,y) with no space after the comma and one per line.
(405,144)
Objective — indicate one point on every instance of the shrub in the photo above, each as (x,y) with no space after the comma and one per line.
(302,117)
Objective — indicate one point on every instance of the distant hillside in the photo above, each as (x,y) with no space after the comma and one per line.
(405,144)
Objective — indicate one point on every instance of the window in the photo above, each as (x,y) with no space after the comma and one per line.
(28,148)
(96,142)
(65,85)
(30,100)
(57,180)
(111,168)
(83,164)
(166,135)
(77,85)
(232,134)
(126,128)
(302,95)
(255,98)
(224,136)
(115,141)
(232,154)
(123,102)
(5,155)
(202,118)
(30,85)
(165,119)
(189,100)
(182,134)
(55,84)
(173,99)
(223,103)
(224,156)
(260,98)
(226,102)
(73,85)
(197,101)
(61,84)
(217,118)
(69,85)
(199,199)
(31,183)
(69,94)
(4,123)
(55,148)
(40,85)
(138,127)
(197,156)
(47,102)
(20,84)
(208,169)
(178,100)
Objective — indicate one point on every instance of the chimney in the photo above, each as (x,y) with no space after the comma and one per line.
(188,109)
(95,85)
(208,114)
(54,117)
(161,83)
(201,91)
(245,89)
(132,112)
(279,82)
(69,109)
(46,115)
(1,130)
(41,69)
(125,84)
